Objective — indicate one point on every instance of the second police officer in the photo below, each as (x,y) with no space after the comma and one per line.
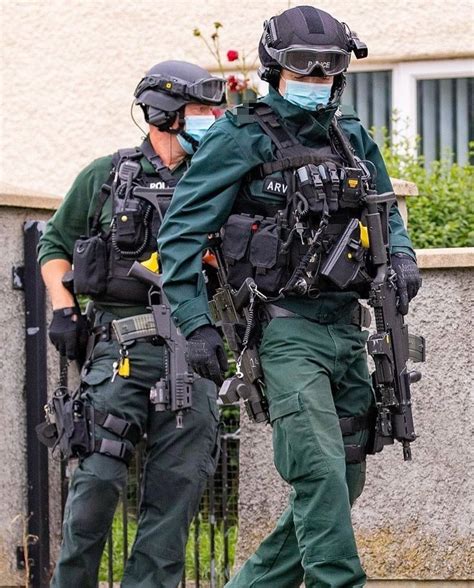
(283,179)
(103,228)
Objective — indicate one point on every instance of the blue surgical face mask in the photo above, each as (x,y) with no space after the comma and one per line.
(196,126)
(307,95)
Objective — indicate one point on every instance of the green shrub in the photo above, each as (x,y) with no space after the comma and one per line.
(443,214)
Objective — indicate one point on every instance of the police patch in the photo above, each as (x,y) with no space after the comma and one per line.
(275,186)
(157,185)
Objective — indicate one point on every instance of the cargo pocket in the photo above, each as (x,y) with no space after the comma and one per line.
(265,256)
(99,374)
(297,454)
(235,244)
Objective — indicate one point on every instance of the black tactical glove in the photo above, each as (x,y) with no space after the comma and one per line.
(408,279)
(206,354)
(68,332)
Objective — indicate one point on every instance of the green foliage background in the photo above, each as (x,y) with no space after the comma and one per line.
(443,214)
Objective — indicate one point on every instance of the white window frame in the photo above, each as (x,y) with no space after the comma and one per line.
(405,76)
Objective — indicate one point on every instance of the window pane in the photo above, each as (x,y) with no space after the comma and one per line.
(445,116)
(370,94)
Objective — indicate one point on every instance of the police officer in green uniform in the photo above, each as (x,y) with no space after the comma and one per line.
(289,184)
(103,228)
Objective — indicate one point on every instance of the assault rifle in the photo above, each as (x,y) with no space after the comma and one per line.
(233,312)
(391,346)
(174,391)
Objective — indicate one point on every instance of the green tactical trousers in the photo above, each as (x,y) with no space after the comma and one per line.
(177,465)
(314,374)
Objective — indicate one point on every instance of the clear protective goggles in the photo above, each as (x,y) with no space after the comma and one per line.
(209,91)
(304,60)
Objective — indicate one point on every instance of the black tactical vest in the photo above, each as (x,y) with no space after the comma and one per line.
(102,259)
(307,235)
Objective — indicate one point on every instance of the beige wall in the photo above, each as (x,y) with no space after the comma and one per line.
(69,68)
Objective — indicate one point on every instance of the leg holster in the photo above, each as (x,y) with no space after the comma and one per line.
(349,426)
(70,425)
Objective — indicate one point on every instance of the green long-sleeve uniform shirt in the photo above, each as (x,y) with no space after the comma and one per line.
(73,217)
(205,197)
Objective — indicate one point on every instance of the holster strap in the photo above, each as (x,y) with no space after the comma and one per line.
(103,332)
(355,453)
(361,317)
(351,425)
(112,448)
(118,426)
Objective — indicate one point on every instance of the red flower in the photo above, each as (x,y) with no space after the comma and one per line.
(233,83)
(232,55)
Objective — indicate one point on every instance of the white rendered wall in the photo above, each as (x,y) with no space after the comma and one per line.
(68,69)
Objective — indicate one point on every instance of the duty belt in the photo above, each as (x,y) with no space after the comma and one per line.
(360,316)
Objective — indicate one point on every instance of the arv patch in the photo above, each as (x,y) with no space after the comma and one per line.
(275,186)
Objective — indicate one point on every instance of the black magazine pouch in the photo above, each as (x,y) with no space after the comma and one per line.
(266,259)
(235,245)
(90,265)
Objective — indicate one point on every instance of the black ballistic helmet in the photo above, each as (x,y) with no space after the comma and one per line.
(308,41)
(168,86)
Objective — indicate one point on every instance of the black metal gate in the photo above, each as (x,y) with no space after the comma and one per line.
(212,538)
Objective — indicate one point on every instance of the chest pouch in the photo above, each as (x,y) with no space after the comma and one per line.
(351,187)
(319,184)
(131,228)
(90,265)
(331,183)
(252,247)
(311,187)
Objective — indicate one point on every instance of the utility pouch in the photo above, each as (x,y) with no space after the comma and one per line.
(351,187)
(130,226)
(252,248)
(345,259)
(235,244)
(332,184)
(268,262)
(311,186)
(90,265)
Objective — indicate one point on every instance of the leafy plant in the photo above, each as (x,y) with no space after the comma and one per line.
(239,83)
(443,214)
